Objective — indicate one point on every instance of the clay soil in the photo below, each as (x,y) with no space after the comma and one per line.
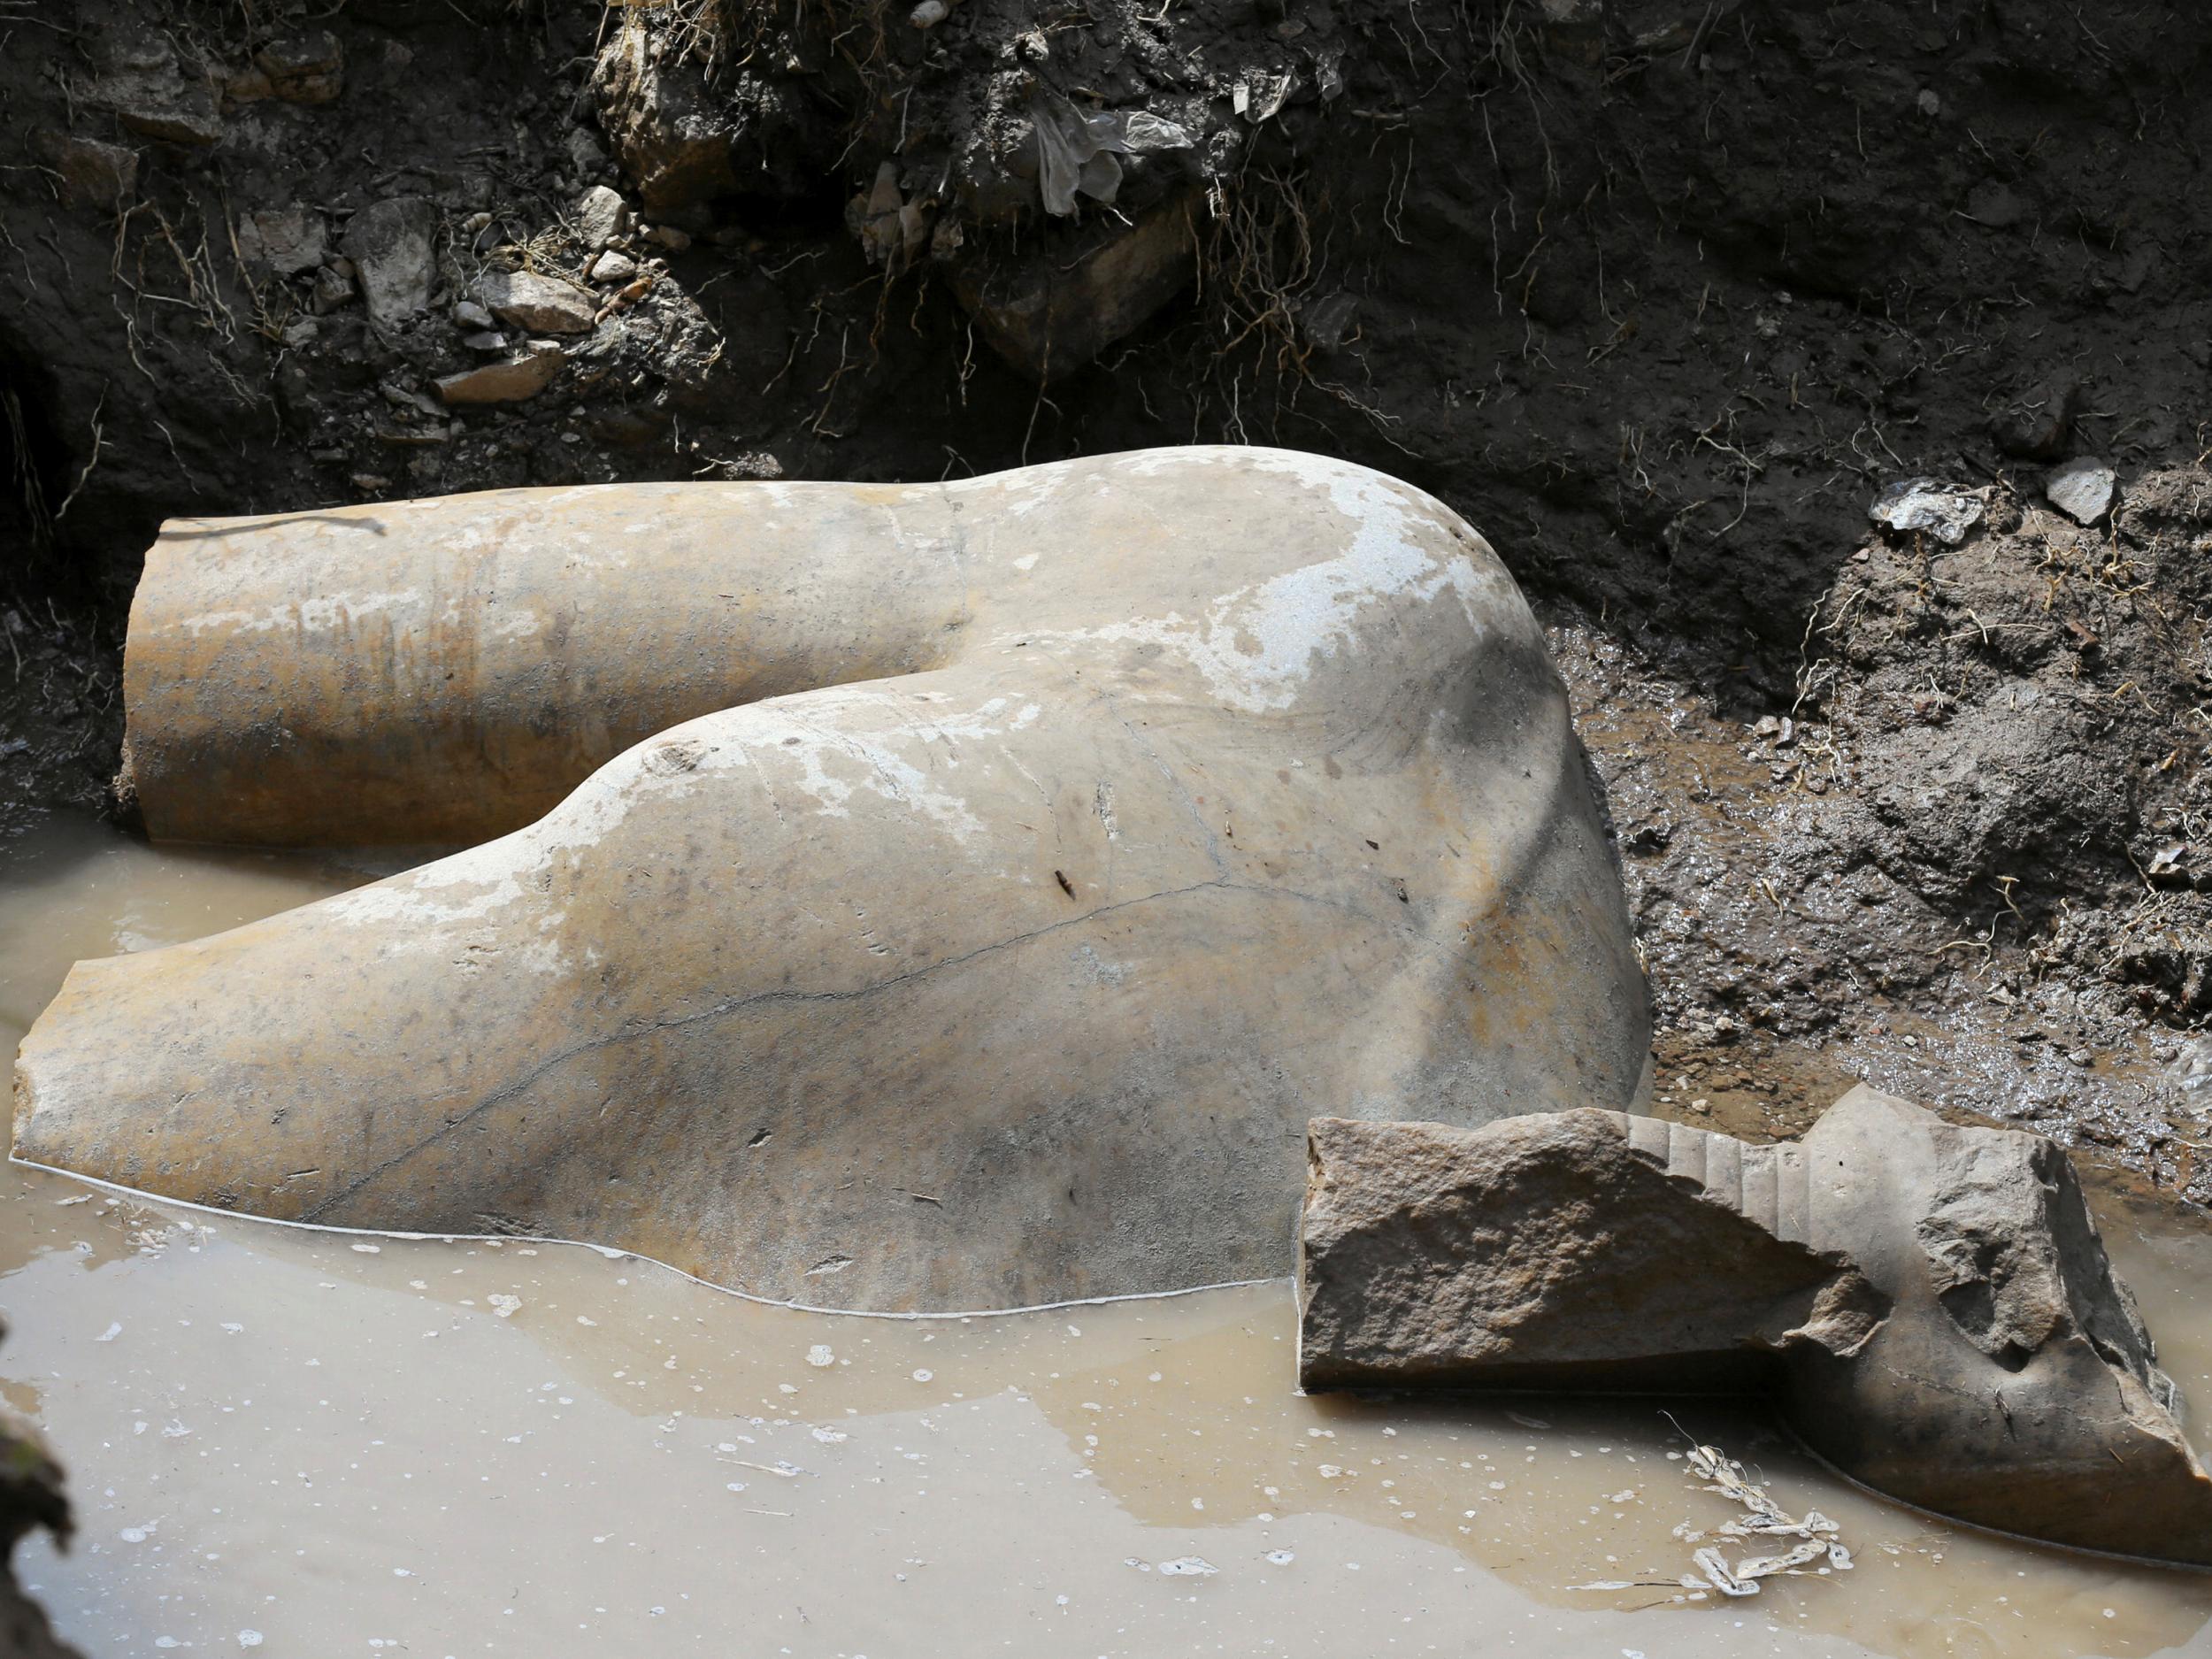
(1661,295)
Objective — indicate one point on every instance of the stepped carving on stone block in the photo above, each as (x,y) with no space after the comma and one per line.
(1930,1304)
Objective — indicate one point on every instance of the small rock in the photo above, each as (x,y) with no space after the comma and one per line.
(489,341)
(1945,511)
(509,380)
(93,173)
(601,215)
(2035,425)
(469,314)
(391,244)
(1995,205)
(302,332)
(2081,488)
(148,90)
(613,267)
(247,85)
(1928,103)
(1328,323)
(306,68)
(401,398)
(537,304)
(674,134)
(190,118)
(289,239)
(585,153)
(669,237)
(333,288)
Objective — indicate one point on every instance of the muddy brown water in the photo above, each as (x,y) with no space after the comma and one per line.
(310,1442)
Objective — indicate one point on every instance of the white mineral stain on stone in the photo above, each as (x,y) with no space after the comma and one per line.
(1256,645)
(312,616)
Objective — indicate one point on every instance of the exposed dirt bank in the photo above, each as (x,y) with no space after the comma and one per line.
(1660,295)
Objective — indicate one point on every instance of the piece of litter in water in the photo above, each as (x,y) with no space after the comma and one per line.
(1528,1422)
(1718,1572)
(81,1198)
(369,1249)
(819,1357)
(1760,1566)
(1725,1476)
(1281,1557)
(250,1639)
(1189,1567)
(830,1437)
(109,1334)
(505,1306)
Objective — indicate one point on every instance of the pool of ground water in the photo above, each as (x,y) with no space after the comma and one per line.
(308,1442)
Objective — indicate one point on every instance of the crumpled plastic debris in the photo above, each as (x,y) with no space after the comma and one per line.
(891,228)
(1260,95)
(1946,511)
(1078,153)
(1764,1518)
(1189,1567)
(1719,1575)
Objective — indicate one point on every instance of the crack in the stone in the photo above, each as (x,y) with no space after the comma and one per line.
(632,1032)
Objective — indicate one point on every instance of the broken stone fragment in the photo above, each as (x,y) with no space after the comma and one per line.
(288,241)
(511,380)
(93,173)
(601,215)
(1128,829)
(2081,488)
(1931,1303)
(612,267)
(537,304)
(668,128)
(153,92)
(2036,425)
(392,244)
(331,289)
(304,68)
(1052,311)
